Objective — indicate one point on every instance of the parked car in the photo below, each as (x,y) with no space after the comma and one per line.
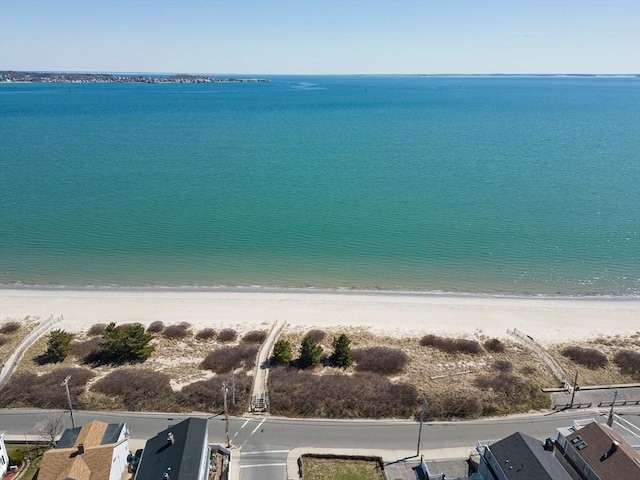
(135,461)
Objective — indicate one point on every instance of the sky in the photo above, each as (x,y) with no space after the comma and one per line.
(321,36)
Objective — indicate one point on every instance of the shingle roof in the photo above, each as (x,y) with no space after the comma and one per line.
(64,461)
(522,457)
(183,457)
(609,462)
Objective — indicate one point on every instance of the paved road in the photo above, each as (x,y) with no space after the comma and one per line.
(264,442)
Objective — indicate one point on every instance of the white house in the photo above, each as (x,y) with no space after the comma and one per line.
(4,456)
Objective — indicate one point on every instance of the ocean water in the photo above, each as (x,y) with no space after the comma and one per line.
(502,185)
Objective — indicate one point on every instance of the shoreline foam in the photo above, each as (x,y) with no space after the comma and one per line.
(548,320)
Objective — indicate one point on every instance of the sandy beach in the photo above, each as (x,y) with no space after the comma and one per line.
(548,320)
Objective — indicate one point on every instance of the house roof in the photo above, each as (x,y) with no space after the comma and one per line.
(608,460)
(522,457)
(183,456)
(65,462)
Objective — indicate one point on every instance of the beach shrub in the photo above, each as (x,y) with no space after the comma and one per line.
(129,326)
(452,405)
(207,395)
(511,393)
(342,356)
(310,353)
(282,353)
(138,389)
(3,340)
(226,359)
(494,345)
(206,334)
(381,360)
(589,357)
(8,328)
(317,335)
(156,327)
(255,336)
(27,389)
(89,351)
(58,345)
(97,329)
(227,335)
(127,345)
(177,332)
(451,345)
(628,361)
(502,366)
(301,393)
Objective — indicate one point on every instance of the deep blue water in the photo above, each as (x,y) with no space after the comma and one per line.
(480,185)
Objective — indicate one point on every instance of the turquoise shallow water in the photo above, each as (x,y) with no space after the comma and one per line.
(478,185)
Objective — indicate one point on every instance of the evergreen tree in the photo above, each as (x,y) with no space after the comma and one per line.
(282,354)
(127,345)
(310,353)
(58,345)
(342,356)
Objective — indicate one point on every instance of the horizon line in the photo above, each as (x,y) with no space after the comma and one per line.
(449,74)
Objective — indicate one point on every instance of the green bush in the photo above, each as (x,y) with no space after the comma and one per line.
(310,353)
(58,346)
(130,344)
(342,356)
(282,353)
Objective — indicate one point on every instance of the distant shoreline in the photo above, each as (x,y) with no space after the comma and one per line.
(63,77)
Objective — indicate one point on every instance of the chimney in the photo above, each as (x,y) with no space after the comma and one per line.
(170,438)
(80,449)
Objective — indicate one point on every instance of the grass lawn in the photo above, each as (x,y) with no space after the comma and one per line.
(340,469)
(19,452)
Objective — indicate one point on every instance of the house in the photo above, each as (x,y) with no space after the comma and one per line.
(519,457)
(594,451)
(4,456)
(181,452)
(95,451)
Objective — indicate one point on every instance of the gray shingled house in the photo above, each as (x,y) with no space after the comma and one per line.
(180,452)
(519,457)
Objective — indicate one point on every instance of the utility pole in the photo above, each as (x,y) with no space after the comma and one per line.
(233,388)
(65,384)
(575,387)
(424,407)
(226,413)
(610,419)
